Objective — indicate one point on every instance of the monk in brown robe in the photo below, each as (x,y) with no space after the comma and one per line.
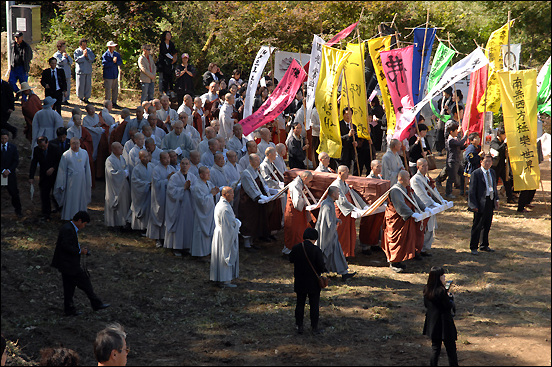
(403,237)
(118,132)
(296,217)
(30,107)
(370,225)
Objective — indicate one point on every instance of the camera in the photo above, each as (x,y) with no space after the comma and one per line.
(448,283)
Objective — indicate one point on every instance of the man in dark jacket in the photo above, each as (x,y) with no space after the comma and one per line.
(111,60)
(499,151)
(306,278)
(7,106)
(67,261)
(482,201)
(22,54)
(55,83)
(47,156)
(10,161)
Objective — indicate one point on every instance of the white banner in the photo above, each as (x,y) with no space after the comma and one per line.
(474,61)
(542,74)
(513,60)
(254,76)
(314,73)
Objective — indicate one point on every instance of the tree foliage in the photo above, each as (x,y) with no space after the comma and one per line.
(231,32)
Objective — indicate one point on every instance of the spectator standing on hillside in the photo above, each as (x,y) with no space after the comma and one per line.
(166,60)
(111,60)
(84,57)
(54,82)
(184,83)
(22,54)
(147,67)
(64,61)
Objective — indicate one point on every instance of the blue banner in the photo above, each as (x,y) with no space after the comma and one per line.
(417,88)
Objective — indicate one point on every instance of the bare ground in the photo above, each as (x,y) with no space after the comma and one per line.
(175,316)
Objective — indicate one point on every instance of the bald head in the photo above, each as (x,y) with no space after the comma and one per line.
(306,176)
(270,153)
(117,148)
(225,191)
(395,145)
(403,178)
(254,160)
(210,133)
(265,134)
(343,172)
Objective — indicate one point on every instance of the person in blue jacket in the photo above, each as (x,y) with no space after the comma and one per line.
(111,60)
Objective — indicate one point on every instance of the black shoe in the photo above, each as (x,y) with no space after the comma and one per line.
(19,214)
(348,275)
(115,105)
(300,329)
(486,249)
(317,331)
(102,306)
(86,100)
(425,254)
(417,257)
(73,313)
(375,248)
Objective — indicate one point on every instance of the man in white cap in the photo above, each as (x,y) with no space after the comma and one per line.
(84,58)
(111,60)
(46,122)
(29,108)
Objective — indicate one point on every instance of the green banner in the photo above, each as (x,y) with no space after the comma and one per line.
(543,96)
(442,57)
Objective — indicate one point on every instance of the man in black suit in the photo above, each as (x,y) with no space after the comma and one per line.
(306,280)
(54,82)
(67,261)
(482,201)
(7,106)
(61,141)
(349,141)
(499,149)
(10,161)
(48,156)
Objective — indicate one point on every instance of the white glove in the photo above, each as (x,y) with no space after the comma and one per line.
(178,151)
(263,199)
(417,217)
(126,173)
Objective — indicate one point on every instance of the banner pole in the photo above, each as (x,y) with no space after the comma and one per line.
(352,125)
(454,86)
(507,169)
(421,69)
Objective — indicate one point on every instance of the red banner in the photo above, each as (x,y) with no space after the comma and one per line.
(344,33)
(473,119)
(278,101)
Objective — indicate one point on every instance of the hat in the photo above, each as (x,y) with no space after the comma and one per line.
(111,44)
(18,34)
(48,101)
(25,86)
(185,55)
(310,234)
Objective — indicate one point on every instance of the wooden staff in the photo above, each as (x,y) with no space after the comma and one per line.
(421,69)
(273,72)
(454,86)
(305,124)
(364,81)
(507,170)
(352,126)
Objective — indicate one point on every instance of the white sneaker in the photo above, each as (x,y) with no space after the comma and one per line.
(177,253)
(158,244)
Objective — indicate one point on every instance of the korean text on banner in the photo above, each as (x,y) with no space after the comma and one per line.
(397,65)
(442,57)
(493,52)
(333,61)
(518,91)
(255,75)
(374,47)
(418,63)
(282,97)
(356,88)
(314,73)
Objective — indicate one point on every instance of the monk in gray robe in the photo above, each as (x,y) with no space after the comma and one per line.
(159,180)
(218,176)
(225,244)
(178,141)
(73,188)
(140,192)
(324,163)
(134,154)
(328,240)
(391,162)
(232,172)
(179,218)
(117,189)
(204,197)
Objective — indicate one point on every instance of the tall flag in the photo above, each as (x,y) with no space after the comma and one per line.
(341,35)
(543,85)
(473,119)
(518,91)
(314,72)
(511,59)
(256,71)
(419,61)
(397,65)
(355,88)
(442,57)
(333,61)
(491,98)
(277,102)
(376,45)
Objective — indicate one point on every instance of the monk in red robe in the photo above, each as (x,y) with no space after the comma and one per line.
(30,107)
(296,217)
(403,237)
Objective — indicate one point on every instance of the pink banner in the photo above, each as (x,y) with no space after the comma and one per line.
(344,33)
(278,101)
(397,65)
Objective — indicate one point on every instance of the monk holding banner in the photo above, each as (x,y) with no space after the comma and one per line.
(403,237)
(296,216)
(344,206)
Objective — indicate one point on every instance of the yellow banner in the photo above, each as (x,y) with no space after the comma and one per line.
(494,54)
(518,91)
(356,89)
(333,61)
(374,47)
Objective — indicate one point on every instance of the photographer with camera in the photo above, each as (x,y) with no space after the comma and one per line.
(67,261)
(439,322)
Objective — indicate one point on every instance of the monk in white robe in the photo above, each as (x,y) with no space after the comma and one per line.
(73,188)
(117,189)
(178,141)
(232,172)
(328,239)
(344,206)
(225,245)
(204,197)
(92,123)
(218,176)
(237,141)
(179,218)
(134,154)
(296,217)
(159,180)
(140,192)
